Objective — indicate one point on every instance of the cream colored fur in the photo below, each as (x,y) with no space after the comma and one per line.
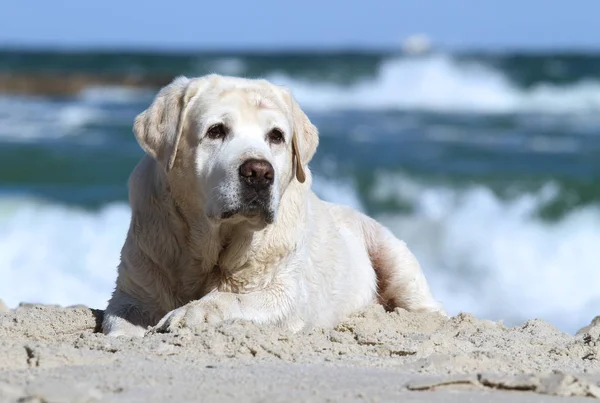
(183,264)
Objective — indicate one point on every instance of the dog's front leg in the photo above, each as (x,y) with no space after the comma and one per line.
(269,306)
(124,316)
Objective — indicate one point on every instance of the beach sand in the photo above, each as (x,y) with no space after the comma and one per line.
(54,354)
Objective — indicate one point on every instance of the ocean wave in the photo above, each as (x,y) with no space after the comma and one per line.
(115,94)
(27,119)
(228,66)
(436,84)
(30,119)
(441,83)
(481,254)
(50,253)
(495,257)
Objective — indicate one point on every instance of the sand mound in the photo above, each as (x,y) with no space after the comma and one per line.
(373,353)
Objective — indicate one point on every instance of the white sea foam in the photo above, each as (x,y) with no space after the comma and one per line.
(440,83)
(495,258)
(481,254)
(61,255)
(31,119)
(228,66)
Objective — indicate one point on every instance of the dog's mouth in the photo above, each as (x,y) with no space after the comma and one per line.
(251,211)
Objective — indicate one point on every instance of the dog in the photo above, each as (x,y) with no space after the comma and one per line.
(224,224)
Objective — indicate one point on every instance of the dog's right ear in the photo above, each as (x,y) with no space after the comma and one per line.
(159,128)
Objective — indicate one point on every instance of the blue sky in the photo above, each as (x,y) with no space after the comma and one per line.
(222,24)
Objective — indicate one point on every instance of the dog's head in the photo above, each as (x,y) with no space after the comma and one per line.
(241,141)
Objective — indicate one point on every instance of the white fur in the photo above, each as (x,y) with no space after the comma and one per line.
(182,264)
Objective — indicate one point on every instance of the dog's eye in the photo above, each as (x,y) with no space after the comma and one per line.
(275,136)
(217,131)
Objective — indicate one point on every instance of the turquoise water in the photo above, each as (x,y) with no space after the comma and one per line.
(487,165)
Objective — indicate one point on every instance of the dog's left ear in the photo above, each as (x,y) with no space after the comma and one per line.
(305,137)
(159,128)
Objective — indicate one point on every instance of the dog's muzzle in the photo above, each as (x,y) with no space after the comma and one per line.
(256,178)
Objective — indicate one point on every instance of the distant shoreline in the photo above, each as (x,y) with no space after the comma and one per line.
(69,84)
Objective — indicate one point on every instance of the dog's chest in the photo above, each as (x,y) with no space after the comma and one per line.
(244,270)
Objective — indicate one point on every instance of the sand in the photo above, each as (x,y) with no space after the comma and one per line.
(54,354)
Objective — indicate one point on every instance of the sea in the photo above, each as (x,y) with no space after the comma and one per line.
(486,164)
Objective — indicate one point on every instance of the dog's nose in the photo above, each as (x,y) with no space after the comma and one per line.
(257,173)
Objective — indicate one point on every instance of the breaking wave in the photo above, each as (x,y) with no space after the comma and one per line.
(483,255)
(441,83)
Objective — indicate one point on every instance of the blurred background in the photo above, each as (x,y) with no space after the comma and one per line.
(470,128)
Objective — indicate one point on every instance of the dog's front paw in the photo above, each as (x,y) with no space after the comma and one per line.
(191,316)
(115,326)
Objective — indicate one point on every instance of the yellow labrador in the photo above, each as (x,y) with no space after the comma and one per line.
(224,223)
